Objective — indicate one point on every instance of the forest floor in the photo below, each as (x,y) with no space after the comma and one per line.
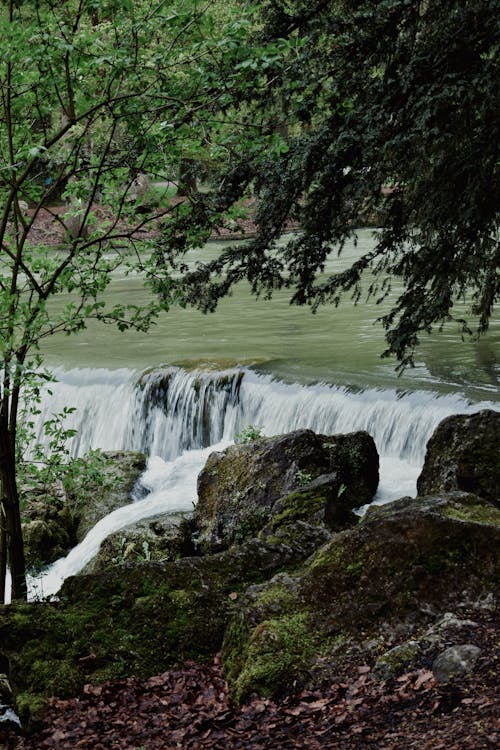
(190,709)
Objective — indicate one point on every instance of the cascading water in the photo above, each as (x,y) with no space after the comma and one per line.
(170,410)
(177,417)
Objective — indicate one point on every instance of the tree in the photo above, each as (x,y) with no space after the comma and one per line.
(392,108)
(96,96)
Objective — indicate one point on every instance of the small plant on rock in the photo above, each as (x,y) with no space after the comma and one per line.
(248,434)
(303,477)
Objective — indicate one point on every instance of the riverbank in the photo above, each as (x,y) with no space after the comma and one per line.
(190,708)
(310,607)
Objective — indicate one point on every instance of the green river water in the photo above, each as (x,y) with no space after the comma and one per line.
(336,345)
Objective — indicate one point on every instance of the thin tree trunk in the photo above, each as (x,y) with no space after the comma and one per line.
(3,550)
(13,532)
(187,177)
(15,548)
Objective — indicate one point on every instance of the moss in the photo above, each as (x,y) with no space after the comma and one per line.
(138,619)
(475,513)
(300,505)
(56,677)
(276,653)
(251,523)
(394,661)
(276,596)
(182,598)
(30,707)
(328,555)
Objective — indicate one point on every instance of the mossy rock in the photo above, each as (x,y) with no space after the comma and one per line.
(121,470)
(136,619)
(321,502)
(463,454)
(239,488)
(55,519)
(159,538)
(405,559)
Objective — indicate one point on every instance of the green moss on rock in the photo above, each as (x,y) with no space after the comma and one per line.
(276,653)
(137,619)
(406,558)
(243,488)
(56,518)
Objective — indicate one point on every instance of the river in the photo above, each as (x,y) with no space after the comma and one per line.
(190,384)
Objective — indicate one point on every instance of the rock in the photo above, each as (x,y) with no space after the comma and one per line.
(240,488)
(396,659)
(463,454)
(455,661)
(319,502)
(120,472)
(450,621)
(404,563)
(56,518)
(160,538)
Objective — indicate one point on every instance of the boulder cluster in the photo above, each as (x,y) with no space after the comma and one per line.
(276,569)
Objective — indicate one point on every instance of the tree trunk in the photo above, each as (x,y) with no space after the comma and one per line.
(3,550)
(13,532)
(15,549)
(187,177)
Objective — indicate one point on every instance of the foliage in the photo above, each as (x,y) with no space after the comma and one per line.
(248,434)
(302,477)
(391,112)
(97,98)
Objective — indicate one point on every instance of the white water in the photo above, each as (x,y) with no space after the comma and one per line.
(179,417)
(172,487)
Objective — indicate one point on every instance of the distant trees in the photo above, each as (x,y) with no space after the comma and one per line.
(392,111)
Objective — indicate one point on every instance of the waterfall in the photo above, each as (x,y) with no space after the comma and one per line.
(177,417)
(167,411)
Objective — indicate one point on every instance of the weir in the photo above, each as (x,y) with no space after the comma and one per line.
(177,417)
(170,410)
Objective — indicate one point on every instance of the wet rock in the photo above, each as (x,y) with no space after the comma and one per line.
(56,518)
(455,661)
(242,488)
(402,565)
(463,454)
(160,538)
(120,472)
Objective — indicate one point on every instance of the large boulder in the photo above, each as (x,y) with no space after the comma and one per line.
(405,563)
(463,454)
(56,518)
(240,488)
